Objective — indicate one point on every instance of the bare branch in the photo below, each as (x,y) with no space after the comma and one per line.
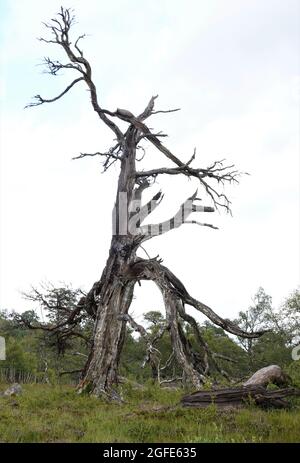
(40,100)
(60,29)
(112,155)
(148,110)
(217,171)
(139,328)
(220,174)
(160,171)
(84,155)
(226,324)
(108,154)
(165,111)
(55,66)
(143,155)
(145,135)
(76,44)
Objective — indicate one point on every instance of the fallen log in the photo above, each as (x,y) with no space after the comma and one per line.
(239,397)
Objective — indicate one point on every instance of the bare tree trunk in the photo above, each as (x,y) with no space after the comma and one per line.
(115,291)
(102,368)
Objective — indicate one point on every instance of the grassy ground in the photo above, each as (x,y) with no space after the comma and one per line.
(57,414)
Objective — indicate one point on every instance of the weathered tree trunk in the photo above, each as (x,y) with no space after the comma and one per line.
(252,390)
(239,397)
(115,291)
(109,300)
(102,368)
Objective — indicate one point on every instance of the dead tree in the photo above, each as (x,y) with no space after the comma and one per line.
(110,298)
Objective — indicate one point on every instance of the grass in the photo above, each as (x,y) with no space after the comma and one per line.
(46,413)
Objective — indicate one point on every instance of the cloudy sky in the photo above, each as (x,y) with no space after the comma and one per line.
(231,66)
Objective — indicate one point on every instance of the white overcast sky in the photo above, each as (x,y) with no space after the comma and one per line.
(233,68)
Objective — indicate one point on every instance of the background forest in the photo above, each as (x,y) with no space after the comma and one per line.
(40,355)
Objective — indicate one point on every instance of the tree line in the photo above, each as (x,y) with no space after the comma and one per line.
(36,352)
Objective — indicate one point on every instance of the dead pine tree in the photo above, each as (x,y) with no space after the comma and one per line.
(110,298)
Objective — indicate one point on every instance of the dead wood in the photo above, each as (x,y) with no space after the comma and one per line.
(239,397)
(272,374)
(109,300)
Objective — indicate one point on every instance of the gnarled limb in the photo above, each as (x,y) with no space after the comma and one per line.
(178,288)
(154,270)
(175,296)
(182,348)
(39,100)
(60,29)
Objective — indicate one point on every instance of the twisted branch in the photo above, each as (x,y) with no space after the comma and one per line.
(60,29)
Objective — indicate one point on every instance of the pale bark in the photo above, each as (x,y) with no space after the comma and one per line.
(239,397)
(271,374)
(102,370)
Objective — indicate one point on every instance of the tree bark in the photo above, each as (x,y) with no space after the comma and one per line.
(101,370)
(114,291)
(271,374)
(239,397)
(254,389)
(181,347)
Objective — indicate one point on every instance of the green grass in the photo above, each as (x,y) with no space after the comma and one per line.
(57,414)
